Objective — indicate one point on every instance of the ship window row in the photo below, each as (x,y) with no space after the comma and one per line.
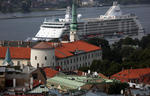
(52,24)
(53,27)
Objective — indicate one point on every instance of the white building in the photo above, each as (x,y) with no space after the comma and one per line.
(42,55)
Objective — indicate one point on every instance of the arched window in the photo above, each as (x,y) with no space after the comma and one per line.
(35,57)
(45,57)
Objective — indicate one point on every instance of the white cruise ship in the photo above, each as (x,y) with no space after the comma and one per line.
(113,25)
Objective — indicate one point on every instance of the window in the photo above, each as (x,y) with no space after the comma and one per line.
(80,58)
(61,63)
(35,57)
(74,67)
(64,62)
(85,57)
(70,60)
(67,61)
(77,59)
(89,56)
(86,64)
(37,64)
(45,57)
(92,55)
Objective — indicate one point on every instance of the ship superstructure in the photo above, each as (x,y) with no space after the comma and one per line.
(112,25)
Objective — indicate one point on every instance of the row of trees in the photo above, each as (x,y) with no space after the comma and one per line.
(125,54)
(15,5)
(126,1)
(8,6)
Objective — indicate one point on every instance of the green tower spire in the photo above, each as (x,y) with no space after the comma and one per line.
(8,60)
(73,26)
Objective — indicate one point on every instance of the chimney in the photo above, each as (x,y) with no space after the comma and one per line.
(20,43)
(8,43)
(14,82)
(31,82)
(28,44)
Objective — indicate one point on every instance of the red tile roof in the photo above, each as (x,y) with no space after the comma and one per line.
(102,75)
(62,51)
(125,75)
(16,52)
(50,72)
(42,45)
(66,49)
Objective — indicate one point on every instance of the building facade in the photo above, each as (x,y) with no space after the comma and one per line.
(79,60)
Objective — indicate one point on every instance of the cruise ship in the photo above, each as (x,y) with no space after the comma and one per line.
(112,26)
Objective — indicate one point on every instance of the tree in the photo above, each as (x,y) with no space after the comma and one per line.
(145,42)
(126,51)
(26,6)
(100,66)
(113,68)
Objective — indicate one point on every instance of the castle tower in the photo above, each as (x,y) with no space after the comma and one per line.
(73,26)
(8,60)
(42,55)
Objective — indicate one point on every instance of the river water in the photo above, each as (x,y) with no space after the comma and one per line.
(20,29)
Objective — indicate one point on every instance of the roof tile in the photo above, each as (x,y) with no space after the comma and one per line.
(16,52)
(124,75)
(50,72)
